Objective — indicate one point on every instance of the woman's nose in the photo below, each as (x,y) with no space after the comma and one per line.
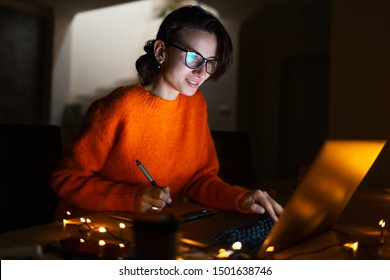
(201,71)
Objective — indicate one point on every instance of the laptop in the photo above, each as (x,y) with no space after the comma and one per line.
(317,202)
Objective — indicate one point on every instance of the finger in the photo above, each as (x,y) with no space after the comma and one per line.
(167,191)
(277,208)
(159,203)
(149,197)
(256,208)
(163,193)
(275,211)
(259,209)
(271,212)
(158,193)
(269,204)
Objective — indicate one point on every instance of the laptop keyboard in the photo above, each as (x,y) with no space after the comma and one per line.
(249,235)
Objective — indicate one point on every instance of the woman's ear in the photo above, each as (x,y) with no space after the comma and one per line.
(159,51)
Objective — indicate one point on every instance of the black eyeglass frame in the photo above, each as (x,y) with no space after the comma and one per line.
(204,60)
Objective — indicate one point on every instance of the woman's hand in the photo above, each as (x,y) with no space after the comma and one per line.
(260,202)
(151,199)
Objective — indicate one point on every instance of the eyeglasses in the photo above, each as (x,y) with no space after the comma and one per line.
(195,60)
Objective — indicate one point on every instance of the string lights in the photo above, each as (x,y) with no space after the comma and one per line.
(102,236)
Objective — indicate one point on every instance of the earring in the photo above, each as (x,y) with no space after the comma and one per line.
(159,65)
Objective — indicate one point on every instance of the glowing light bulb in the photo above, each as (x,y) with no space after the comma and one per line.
(237,246)
(102,229)
(224,254)
(64,222)
(270,249)
(354,246)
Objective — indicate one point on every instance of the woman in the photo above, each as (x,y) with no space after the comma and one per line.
(162,122)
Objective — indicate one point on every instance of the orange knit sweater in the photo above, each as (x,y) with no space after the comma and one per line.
(171,138)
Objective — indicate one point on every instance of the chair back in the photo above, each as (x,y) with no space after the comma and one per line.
(28,155)
(234,153)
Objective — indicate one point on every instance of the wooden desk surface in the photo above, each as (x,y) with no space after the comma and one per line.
(358,222)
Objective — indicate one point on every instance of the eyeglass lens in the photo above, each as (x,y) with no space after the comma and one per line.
(194,61)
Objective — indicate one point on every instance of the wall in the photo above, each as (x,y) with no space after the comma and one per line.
(360,100)
(278,33)
(93,54)
(61,64)
(105,46)
(25,50)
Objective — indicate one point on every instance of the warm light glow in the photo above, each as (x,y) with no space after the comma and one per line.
(122,225)
(82,220)
(88,220)
(68,213)
(102,243)
(121,245)
(224,254)
(193,243)
(237,246)
(382,223)
(82,240)
(102,229)
(353,245)
(270,249)
(64,221)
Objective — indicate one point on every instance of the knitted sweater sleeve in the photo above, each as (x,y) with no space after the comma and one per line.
(77,177)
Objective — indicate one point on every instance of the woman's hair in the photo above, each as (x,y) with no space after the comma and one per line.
(173,28)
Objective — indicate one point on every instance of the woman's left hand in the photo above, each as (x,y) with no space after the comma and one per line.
(260,202)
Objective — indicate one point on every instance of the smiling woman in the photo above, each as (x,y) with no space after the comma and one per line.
(194,30)
(162,122)
(175,74)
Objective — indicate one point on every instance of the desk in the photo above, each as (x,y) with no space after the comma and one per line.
(358,222)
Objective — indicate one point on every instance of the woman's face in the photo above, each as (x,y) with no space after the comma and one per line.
(175,76)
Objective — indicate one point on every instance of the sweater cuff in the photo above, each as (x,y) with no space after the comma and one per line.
(236,193)
(124,199)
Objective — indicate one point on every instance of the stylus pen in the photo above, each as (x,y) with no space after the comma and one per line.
(147,175)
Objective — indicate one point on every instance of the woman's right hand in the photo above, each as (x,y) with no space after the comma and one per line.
(151,199)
